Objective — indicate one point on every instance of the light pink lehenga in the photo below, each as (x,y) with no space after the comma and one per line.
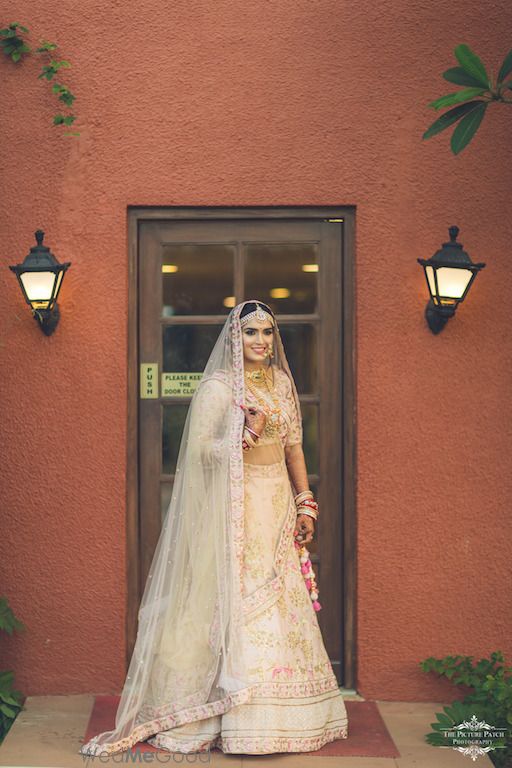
(229,652)
(288,660)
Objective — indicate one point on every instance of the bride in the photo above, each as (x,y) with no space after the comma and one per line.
(229,652)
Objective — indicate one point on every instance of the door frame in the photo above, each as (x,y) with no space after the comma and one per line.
(137,214)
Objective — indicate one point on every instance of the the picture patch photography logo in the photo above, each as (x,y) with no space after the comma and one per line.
(475,737)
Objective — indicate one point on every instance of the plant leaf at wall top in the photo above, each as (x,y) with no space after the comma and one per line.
(15,47)
(470,111)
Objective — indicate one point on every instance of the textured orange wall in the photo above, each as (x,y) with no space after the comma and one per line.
(293,102)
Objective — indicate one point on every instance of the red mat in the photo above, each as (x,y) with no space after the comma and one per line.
(368,735)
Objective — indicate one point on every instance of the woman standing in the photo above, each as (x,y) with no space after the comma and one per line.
(229,652)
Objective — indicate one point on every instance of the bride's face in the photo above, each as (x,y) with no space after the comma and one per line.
(257,339)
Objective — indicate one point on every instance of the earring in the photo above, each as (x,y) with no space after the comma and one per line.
(270,352)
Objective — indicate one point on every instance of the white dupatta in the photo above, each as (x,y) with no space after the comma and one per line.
(188,662)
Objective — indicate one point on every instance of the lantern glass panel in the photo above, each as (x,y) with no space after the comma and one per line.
(429,271)
(59,281)
(452,281)
(38,286)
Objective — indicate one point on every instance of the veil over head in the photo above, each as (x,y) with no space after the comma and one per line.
(188,661)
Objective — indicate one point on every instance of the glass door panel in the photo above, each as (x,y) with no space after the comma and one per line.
(165,499)
(310,436)
(186,348)
(197,278)
(300,344)
(283,275)
(173,421)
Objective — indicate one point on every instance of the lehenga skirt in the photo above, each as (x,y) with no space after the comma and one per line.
(297,705)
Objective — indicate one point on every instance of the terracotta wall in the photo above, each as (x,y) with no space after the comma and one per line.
(292,102)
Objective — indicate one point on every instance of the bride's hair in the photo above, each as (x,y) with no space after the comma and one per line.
(252,306)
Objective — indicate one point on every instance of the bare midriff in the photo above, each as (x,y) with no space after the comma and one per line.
(266,453)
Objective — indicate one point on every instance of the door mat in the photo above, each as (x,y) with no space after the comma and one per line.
(368,735)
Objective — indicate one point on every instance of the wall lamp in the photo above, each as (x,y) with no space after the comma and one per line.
(40,277)
(449,274)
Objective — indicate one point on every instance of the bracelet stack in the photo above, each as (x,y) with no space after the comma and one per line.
(306,504)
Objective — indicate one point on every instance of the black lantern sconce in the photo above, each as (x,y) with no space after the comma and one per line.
(449,274)
(40,277)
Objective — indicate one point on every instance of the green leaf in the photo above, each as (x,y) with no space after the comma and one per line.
(467,128)
(16,56)
(58,64)
(456,98)
(58,119)
(69,120)
(459,76)
(7,710)
(505,69)
(450,117)
(7,699)
(472,64)
(67,97)
(444,720)
(46,46)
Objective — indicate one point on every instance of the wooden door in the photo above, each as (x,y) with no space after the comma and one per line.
(190,273)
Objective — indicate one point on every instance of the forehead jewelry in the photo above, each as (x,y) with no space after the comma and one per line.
(258,314)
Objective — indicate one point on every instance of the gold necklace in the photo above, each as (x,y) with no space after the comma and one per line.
(258,379)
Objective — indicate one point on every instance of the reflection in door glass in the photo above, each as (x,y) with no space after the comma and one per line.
(173,422)
(283,275)
(197,279)
(299,341)
(186,348)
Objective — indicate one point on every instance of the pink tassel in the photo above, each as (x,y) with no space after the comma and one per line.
(309,575)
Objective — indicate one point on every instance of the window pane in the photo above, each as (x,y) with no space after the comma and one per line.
(197,279)
(186,348)
(300,347)
(310,436)
(283,275)
(172,428)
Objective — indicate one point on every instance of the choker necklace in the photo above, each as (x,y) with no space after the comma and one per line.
(260,377)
